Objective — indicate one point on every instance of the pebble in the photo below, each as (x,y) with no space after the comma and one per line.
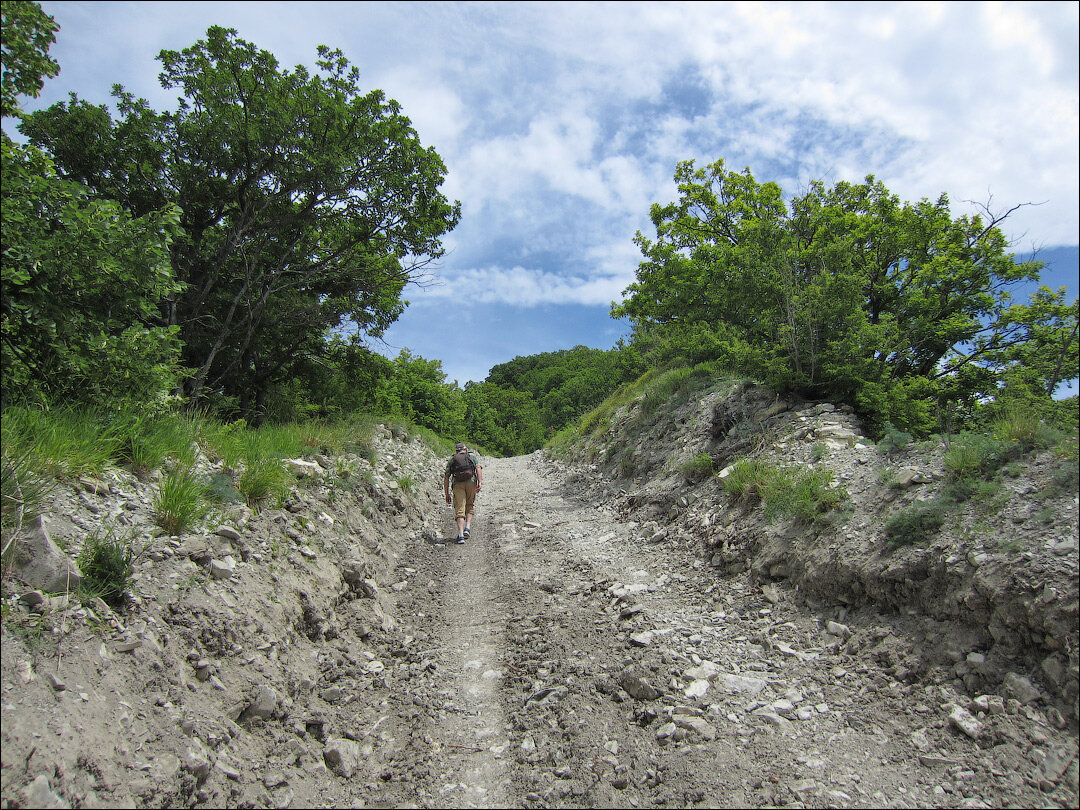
(966,722)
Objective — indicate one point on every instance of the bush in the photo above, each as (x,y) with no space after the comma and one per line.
(916,523)
(893,440)
(106,565)
(698,468)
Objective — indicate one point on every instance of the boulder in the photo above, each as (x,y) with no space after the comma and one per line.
(342,756)
(40,563)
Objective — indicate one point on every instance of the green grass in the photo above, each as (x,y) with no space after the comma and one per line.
(64,443)
(805,494)
(107,564)
(748,480)
(917,524)
(23,490)
(698,468)
(262,479)
(976,455)
(180,502)
(145,442)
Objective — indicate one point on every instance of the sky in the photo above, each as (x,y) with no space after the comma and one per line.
(561,123)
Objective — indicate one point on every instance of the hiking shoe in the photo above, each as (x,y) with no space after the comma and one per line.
(467,533)
(460,540)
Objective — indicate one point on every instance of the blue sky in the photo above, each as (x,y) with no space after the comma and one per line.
(560,123)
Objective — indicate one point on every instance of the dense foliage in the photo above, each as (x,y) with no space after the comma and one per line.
(304,204)
(847,294)
(28,32)
(81,277)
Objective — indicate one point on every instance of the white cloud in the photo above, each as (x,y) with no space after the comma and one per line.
(561,123)
(526,287)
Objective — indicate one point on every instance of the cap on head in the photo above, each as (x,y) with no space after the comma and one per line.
(460,446)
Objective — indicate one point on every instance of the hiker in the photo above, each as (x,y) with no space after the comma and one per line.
(465,471)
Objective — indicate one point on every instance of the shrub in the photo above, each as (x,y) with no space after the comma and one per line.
(916,523)
(698,468)
(406,483)
(106,564)
(893,440)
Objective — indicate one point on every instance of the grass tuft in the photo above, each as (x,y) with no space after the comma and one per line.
(106,564)
(181,501)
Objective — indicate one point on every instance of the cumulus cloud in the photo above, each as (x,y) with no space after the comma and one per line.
(561,124)
(529,287)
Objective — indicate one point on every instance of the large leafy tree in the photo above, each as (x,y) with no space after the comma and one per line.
(305,203)
(80,277)
(843,293)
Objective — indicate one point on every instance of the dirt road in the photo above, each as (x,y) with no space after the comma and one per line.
(562,657)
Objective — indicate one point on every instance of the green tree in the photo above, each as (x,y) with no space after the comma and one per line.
(28,32)
(844,293)
(80,277)
(305,203)
(1036,350)
(418,391)
(501,419)
(81,280)
(565,384)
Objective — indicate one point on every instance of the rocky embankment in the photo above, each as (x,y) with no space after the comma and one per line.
(998,579)
(251,619)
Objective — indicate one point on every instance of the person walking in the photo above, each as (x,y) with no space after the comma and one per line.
(464,471)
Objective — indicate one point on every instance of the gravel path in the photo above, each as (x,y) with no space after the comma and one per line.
(535,634)
(563,657)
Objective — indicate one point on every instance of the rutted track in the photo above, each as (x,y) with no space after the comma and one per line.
(531,634)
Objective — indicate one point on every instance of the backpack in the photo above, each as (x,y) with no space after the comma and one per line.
(462,467)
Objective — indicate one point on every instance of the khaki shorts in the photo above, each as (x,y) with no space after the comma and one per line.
(464,498)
